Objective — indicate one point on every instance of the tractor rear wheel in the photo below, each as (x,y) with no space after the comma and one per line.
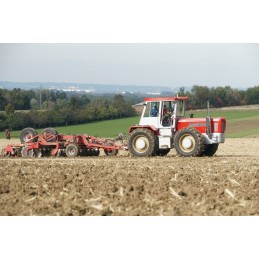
(49,134)
(72,150)
(142,142)
(28,134)
(189,142)
(210,149)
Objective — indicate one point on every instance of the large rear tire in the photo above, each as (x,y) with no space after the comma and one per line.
(210,149)
(142,142)
(189,142)
(28,134)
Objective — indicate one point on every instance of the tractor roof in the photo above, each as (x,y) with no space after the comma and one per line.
(158,99)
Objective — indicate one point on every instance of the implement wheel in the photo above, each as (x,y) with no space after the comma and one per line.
(72,150)
(189,142)
(49,134)
(7,154)
(142,142)
(26,154)
(112,152)
(28,134)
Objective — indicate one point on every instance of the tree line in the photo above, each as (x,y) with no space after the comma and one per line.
(49,108)
(21,108)
(220,96)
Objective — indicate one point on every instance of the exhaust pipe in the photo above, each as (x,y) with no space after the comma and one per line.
(208,120)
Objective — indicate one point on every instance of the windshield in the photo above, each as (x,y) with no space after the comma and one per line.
(180,111)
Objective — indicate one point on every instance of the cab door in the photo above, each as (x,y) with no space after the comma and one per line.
(165,123)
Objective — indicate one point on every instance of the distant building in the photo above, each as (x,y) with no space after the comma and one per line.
(53,87)
(76,89)
(154,93)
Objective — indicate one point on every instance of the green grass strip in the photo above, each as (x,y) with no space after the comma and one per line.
(107,128)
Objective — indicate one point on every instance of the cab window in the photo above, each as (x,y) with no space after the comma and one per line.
(152,109)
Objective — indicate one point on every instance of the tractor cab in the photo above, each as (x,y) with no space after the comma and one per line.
(161,113)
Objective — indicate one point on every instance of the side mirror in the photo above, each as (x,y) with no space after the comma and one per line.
(191,115)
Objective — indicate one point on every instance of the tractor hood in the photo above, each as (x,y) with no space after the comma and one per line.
(218,125)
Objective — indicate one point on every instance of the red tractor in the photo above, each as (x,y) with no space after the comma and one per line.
(163,126)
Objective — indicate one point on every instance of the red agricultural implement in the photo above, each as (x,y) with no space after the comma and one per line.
(51,143)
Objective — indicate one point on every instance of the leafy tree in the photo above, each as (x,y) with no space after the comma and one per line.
(74,103)
(61,95)
(2,121)
(252,95)
(14,121)
(2,99)
(34,104)
(113,112)
(9,109)
(200,95)
(119,104)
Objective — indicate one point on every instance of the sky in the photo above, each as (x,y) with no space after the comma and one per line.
(155,64)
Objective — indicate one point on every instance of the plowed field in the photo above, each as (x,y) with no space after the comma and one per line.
(226,184)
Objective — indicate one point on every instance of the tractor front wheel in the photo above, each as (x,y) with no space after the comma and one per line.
(142,142)
(189,142)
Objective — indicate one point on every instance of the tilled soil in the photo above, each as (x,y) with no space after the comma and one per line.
(225,184)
